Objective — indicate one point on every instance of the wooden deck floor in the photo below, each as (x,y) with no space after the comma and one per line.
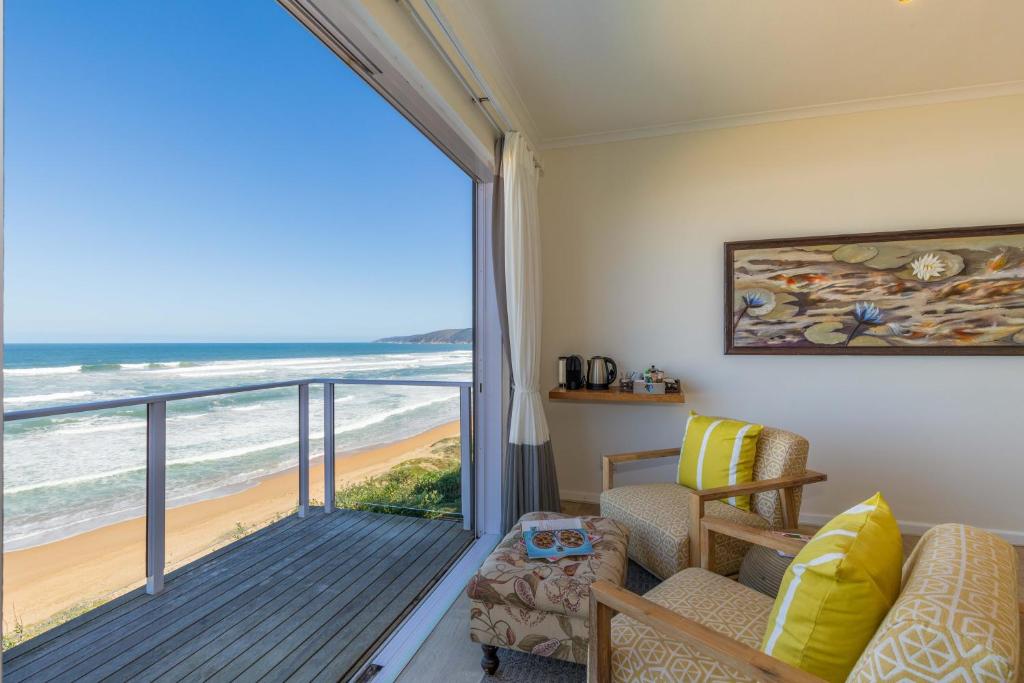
(301,600)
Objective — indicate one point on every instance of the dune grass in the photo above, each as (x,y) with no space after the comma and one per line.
(430,486)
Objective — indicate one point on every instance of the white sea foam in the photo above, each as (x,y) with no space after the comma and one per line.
(94,462)
(55,397)
(248,409)
(38,372)
(82,479)
(377,418)
(100,427)
(223,368)
(225,454)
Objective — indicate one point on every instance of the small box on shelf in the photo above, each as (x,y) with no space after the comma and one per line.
(614,394)
(648,387)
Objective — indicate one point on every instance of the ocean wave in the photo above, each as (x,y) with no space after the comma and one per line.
(45,398)
(376,418)
(259,366)
(94,428)
(219,455)
(225,373)
(100,367)
(34,372)
(249,408)
(73,481)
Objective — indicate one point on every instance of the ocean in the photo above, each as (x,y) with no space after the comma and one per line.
(67,474)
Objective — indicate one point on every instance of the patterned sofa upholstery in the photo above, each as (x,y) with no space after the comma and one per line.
(658,518)
(956,619)
(639,653)
(539,606)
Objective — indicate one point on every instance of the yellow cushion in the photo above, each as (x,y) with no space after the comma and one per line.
(837,591)
(718,452)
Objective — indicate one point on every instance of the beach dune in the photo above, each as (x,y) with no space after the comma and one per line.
(97,565)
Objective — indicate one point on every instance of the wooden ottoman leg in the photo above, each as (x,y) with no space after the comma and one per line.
(490,659)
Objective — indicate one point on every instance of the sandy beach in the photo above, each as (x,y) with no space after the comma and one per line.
(97,565)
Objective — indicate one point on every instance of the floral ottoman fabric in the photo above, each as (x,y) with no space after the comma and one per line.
(540,606)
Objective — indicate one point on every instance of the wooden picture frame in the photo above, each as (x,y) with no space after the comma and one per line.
(948,291)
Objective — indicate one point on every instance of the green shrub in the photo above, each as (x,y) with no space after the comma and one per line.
(422,487)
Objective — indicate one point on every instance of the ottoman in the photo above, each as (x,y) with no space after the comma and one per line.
(542,606)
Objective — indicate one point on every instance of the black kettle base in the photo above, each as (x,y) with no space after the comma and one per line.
(594,387)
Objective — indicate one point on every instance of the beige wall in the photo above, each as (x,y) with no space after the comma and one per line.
(633,235)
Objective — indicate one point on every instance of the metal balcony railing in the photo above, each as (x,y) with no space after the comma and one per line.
(156,448)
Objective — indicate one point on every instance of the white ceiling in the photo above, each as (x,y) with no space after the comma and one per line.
(590,70)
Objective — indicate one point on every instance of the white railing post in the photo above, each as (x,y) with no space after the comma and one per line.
(465,455)
(328,447)
(156,494)
(303,449)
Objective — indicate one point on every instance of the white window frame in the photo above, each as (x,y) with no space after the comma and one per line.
(349,32)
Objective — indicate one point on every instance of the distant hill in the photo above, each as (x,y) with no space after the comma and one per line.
(464,336)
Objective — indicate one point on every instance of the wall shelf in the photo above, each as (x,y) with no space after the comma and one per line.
(612,395)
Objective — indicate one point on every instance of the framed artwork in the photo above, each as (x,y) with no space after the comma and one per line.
(956,291)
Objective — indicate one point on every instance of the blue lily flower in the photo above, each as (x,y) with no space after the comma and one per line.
(866,313)
(754,300)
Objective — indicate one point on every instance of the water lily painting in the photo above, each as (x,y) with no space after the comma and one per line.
(956,291)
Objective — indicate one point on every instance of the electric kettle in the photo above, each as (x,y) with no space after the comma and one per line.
(601,372)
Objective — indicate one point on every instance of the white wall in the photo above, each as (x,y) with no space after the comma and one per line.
(633,235)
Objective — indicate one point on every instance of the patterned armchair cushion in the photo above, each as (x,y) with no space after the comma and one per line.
(658,519)
(779,454)
(956,617)
(538,606)
(639,653)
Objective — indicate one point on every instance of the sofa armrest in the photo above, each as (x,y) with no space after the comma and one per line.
(787,486)
(710,526)
(608,462)
(607,599)
(792,481)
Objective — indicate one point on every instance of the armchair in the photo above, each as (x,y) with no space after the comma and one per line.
(664,518)
(956,618)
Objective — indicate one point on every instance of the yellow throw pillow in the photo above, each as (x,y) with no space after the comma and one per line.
(718,452)
(837,591)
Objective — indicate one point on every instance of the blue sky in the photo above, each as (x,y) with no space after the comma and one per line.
(208,171)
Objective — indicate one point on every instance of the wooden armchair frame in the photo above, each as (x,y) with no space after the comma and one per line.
(787,487)
(607,599)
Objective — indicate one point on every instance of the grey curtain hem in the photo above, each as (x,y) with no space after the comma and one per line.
(531,483)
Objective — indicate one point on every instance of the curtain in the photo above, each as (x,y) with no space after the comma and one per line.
(530,482)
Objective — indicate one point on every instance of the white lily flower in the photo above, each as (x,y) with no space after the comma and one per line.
(927,267)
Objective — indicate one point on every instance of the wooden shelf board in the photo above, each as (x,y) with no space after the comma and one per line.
(612,395)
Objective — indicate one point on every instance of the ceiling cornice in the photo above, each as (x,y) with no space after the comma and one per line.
(974,92)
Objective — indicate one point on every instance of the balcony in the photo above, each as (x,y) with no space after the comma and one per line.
(309,597)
